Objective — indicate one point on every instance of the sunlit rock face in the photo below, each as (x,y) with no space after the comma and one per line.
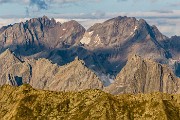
(38,34)
(144,76)
(104,47)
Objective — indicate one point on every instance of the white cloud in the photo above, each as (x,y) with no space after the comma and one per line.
(5,22)
(168,22)
(84,22)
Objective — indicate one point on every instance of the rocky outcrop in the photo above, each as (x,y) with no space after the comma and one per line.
(40,34)
(43,74)
(26,103)
(119,30)
(104,47)
(138,76)
(172,44)
(144,76)
(71,77)
(114,40)
(12,70)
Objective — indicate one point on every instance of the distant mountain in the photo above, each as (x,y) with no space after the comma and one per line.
(26,103)
(39,34)
(42,74)
(115,39)
(173,45)
(68,66)
(104,47)
(137,76)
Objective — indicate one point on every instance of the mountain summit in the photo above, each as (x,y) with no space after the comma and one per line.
(104,47)
(43,74)
(144,76)
(114,40)
(38,34)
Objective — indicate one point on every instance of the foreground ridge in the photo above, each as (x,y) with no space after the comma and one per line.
(24,102)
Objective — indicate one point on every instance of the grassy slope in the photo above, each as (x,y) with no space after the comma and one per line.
(26,103)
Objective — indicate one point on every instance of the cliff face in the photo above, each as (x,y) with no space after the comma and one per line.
(12,70)
(104,47)
(71,77)
(42,74)
(114,40)
(144,76)
(40,34)
(172,44)
(138,76)
(20,103)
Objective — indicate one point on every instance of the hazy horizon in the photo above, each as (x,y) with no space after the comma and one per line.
(162,13)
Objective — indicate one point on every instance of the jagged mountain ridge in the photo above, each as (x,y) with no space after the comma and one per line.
(115,39)
(138,76)
(11,68)
(144,76)
(42,74)
(172,44)
(104,47)
(24,102)
(39,34)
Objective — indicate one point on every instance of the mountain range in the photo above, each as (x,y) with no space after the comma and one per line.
(122,68)
(137,76)
(111,56)
(104,47)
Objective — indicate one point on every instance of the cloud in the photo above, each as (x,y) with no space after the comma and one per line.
(168,22)
(85,22)
(41,4)
(152,1)
(177,4)
(122,0)
(44,4)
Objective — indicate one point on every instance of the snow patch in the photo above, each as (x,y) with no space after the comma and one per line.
(91,33)
(98,40)
(132,33)
(85,40)
(64,29)
(135,28)
(61,37)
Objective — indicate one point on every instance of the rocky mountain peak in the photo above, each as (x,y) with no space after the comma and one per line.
(44,21)
(8,55)
(38,34)
(114,40)
(78,61)
(118,31)
(144,76)
(7,52)
(13,71)
(72,76)
(43,74)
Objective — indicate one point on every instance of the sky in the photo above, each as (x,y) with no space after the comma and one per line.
(165,14)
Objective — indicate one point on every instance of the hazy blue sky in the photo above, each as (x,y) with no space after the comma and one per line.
(163,13)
